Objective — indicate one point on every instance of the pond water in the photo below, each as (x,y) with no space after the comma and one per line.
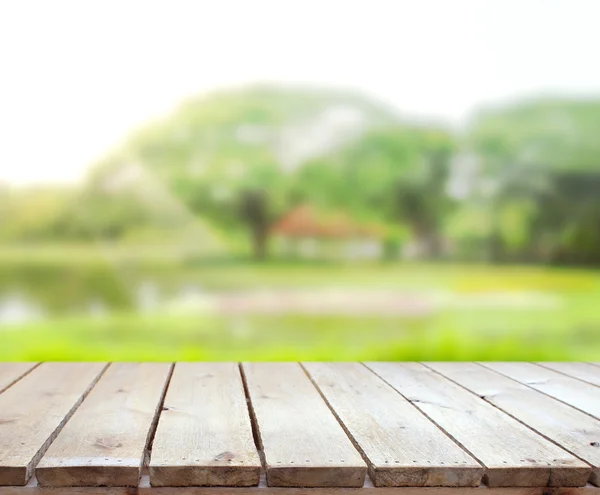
(33,291)
(29,293)
(23,302)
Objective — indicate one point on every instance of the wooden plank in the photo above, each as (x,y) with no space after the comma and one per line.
(105,441)
(512,454)
(573,430)
(11,372)
(572,391)
(401,446)
(144,488)
(303,443)
(370,490)
(204,435)
(582,371)
(34,410)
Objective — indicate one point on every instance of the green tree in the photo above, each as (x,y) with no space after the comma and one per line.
(32,214)
(397,174)
(230,157)
(545,156)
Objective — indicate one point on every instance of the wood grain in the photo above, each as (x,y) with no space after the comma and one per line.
(34,410)
(303,443)
(204,435)
(105,441)
(572,391)
(582,371)
(512,454)
(11,372)
(368,490)
(401,446)
(144,488)
(573,430)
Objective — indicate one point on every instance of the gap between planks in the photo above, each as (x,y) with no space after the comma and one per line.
(204,436)
(255,429)
(106,440)
(559,423)
(401,446)
(283,397)
(571,391)
(585,372)
(513,454)
(11,373)
(34,411)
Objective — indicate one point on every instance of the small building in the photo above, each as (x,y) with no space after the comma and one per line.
(307,233)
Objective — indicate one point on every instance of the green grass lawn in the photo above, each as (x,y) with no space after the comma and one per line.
(447,336)
(569,331)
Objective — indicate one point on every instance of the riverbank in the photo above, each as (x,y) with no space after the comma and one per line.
(119,304)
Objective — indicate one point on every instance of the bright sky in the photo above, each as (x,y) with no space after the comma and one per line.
(76,77)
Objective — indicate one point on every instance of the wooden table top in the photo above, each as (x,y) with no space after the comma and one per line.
(300,428)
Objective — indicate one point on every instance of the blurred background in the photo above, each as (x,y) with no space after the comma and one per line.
(299,180)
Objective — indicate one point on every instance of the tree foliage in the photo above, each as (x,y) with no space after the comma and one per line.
(544,153)
(240,159)
(231,157)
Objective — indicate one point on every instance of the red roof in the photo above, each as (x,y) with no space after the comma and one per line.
(305,221)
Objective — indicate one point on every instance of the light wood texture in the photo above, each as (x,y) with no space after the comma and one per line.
(144,488)
(582,371)
(401,446)
(303,443)
(512,454)
(105,441)
(11,372)
(573,430)
(204,435)
(572,391)
(34,410)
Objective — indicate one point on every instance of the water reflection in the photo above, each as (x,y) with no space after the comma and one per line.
(185,297)
(15,308)
(22,300)
(147,296)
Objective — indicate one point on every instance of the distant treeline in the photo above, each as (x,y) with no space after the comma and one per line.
(520,184)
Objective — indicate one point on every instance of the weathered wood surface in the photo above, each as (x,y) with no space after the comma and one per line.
(319,426)
(303,443)
(105,441)
(11,372)
(402,447)
(33,411)
(144,488)
(572,391)
(204,436)
(573,430)
(512,454)
(583,371)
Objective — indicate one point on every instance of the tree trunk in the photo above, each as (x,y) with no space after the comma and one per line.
(255,210)
(260,239)
(429,240)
